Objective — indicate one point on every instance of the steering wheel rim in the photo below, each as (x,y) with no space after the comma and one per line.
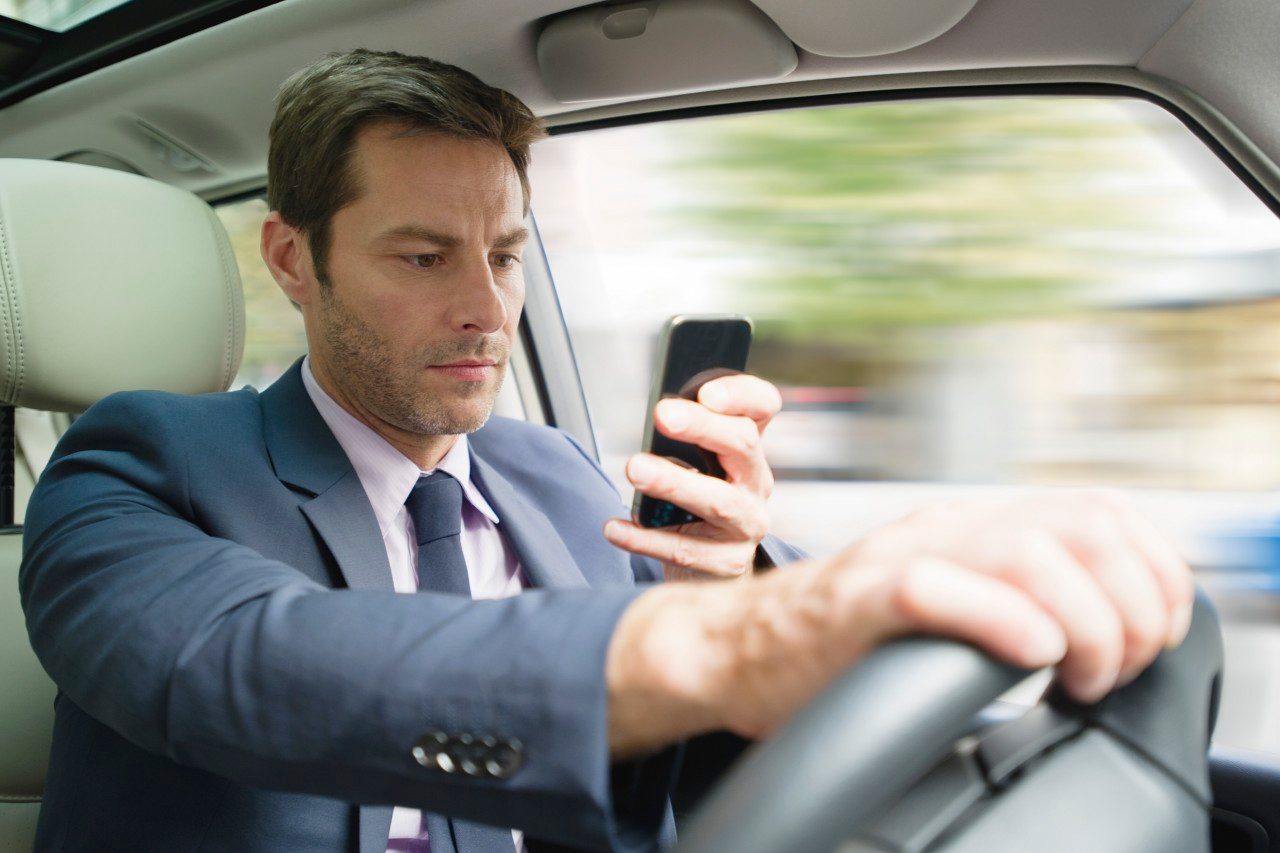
(871,750)
(853,752)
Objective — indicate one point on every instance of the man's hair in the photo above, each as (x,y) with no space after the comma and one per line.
(321,108)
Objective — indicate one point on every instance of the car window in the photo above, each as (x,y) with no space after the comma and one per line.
(59,15)
(273,336)
(956,296)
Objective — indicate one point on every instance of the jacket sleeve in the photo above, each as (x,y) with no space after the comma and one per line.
(204,651)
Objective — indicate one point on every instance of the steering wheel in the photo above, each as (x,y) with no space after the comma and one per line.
(887,759)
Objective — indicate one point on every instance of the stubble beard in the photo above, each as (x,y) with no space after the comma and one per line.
(389,388)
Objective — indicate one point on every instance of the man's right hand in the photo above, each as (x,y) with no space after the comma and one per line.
(1080,581)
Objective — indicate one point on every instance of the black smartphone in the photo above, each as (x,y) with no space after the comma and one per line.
(693,350)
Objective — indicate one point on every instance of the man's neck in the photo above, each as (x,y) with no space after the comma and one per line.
(425,451)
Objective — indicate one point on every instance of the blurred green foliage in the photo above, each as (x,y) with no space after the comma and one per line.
(857,221)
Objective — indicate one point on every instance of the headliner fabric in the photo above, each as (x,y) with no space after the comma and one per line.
(1226,52)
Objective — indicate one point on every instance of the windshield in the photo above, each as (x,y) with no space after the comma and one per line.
(57,15)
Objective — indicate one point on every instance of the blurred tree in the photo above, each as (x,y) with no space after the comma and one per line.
(862,221)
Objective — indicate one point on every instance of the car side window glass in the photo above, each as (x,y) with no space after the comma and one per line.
(956,297)
(274,337)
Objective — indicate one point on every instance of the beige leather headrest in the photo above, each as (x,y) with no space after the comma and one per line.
(109,282)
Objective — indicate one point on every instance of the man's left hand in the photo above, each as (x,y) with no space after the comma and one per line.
(728,420)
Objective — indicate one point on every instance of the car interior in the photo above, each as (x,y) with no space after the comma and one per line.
(124,124)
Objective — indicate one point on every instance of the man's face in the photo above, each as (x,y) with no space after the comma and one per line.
(425,285)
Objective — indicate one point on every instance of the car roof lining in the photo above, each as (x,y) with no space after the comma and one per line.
(213,90)
(1229,60)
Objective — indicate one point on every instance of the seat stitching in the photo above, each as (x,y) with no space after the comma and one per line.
(231,334)
(5,316)
(20,379)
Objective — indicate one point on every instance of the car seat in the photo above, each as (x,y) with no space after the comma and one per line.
(108,282)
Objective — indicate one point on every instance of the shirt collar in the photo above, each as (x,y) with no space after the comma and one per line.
(387,474)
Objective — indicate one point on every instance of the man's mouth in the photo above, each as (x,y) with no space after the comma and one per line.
(467,369)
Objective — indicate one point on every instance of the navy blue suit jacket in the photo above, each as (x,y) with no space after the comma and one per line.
(205,581)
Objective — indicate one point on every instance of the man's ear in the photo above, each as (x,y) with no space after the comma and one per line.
(287,254)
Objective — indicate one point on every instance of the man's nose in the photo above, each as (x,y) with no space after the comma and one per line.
(477,304)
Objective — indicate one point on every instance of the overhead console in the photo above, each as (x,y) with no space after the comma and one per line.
(663,47)
(864,27)
(660,47)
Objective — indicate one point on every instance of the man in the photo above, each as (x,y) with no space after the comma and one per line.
(213,582)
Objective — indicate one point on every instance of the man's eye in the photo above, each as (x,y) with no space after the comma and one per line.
(506,261)
(423,261)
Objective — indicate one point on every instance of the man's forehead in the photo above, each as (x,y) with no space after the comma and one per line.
(395,147)
(428,180)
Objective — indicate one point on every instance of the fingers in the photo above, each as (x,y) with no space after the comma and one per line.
(684,557)
(1169,569)
(742,394)
(735,439)
(1133,592)
(935,596)
(1133,567)
(1041,566)
(727,421)
(719,504)
(1115,587)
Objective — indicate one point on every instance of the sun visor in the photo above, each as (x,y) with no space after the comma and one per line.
(660,47)
(864,27)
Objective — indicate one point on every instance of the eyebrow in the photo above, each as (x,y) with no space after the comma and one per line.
(448,241)
(514,237)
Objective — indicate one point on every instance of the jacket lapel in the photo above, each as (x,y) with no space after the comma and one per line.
(543,555)
(345,521)
(307,456)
